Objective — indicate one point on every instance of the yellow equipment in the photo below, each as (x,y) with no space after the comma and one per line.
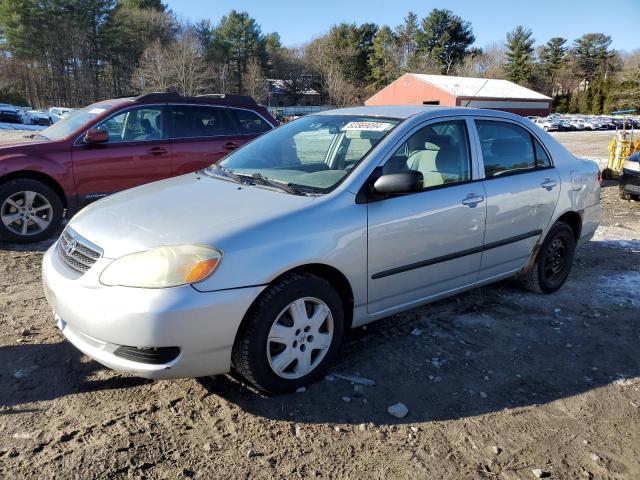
(621,146)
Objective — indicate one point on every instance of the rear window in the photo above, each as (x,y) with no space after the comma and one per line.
(189,121)
(249,122)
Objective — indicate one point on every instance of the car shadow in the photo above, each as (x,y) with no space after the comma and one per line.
(38,372)
(41,246)
(493,348)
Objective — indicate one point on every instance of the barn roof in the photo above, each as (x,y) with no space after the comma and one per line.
(480,87)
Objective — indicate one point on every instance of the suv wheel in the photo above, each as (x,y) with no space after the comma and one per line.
(30,211)
(291,336)
(553,261)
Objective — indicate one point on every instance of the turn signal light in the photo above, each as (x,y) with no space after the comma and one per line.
(201,270)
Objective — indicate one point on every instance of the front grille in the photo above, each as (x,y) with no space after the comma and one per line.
(78,253)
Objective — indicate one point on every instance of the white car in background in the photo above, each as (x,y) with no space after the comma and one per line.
(57,113)
(34,117)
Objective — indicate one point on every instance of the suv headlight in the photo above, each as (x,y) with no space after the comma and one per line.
(163,267)
(633,165)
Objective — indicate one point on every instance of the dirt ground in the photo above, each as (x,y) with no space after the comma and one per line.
(498,382)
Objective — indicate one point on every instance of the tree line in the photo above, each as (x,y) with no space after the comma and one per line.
(73,52)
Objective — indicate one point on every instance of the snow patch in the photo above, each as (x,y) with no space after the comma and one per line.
(20,126)
(623,287)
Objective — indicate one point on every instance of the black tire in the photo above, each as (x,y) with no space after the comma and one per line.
(249,356)
(553,261)
(56,212)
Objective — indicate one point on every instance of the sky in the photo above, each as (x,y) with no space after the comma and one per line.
(299,21)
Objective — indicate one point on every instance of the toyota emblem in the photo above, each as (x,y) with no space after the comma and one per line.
(70,247)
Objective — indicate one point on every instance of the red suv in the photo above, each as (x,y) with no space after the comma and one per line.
(114,145)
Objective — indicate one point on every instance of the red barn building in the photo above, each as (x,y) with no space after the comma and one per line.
(420,89)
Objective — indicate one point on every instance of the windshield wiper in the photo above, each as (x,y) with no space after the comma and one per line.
(285,187)
(34,135)
(226,173)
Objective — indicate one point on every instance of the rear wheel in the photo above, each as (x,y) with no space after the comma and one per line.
(553,261)
(30,211)
(291,336)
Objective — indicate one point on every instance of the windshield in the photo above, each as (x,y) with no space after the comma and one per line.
(74,120)
(313,153)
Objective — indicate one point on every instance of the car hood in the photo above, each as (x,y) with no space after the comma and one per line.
(22,146)
(190,209)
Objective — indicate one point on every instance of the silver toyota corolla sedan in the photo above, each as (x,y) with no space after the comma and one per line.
(264,261)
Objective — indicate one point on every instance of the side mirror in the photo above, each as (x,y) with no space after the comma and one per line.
(402,182)
(95,135)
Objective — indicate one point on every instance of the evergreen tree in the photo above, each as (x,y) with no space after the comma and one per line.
(235,40)
(445,38)
(519,64)
(383,60)
(592,56)
(407,38)
(553,57)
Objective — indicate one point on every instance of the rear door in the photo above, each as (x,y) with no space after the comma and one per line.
(429,242)
(137,152)
(522,188)
(204,134)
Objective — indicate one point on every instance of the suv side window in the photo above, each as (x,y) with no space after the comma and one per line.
(509,149)
(249,122)
(134,125)
(192,121)
(439,151)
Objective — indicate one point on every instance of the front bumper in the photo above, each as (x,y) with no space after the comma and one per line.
(98,320)
(630,182)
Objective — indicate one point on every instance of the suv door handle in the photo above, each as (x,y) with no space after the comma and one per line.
(157,151)
(548,184)
(231,145)
(472,200)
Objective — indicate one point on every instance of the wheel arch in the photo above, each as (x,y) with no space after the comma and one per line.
(574,220)
(38,176)
(331,274)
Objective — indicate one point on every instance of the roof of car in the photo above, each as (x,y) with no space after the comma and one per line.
(406,111)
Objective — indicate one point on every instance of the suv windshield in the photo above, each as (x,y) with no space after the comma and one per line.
(74,120)
(313,153)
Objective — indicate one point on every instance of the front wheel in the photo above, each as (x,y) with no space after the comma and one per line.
(30,211)
(291,335)
(553,261)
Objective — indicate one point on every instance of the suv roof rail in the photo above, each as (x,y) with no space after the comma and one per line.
(217,98)
(235,99)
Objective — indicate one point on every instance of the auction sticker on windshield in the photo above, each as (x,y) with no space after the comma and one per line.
(369,126)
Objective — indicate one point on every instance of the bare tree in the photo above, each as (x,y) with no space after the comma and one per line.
(255,84)
(341,92)
(179,66)
(191,74)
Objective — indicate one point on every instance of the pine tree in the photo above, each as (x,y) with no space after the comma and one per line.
(445,38)
(407,38)
(383,60)
(520,50)
(553,57)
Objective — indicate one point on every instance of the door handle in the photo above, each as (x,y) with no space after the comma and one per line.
(472,200)
(231,145)
(157,151)
(548,184)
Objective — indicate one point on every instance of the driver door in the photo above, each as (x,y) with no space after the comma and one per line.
(427,243)
(137,152)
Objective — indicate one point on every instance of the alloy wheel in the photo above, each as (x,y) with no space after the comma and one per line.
(300,338)
(26,213)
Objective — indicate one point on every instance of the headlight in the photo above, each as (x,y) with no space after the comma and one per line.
(632,165)
(163,267)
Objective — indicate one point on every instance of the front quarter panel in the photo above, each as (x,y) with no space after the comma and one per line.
(332,231)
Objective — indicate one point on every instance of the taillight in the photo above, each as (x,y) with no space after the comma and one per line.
(599,177)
